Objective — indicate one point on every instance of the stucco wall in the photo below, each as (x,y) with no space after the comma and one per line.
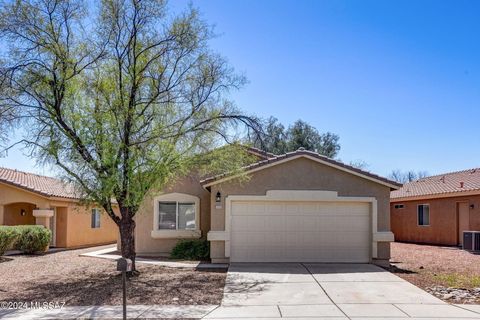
(443,220)
(80,232)
(144,242)
(12,216)
(73,227)
(301,174)
(10,194)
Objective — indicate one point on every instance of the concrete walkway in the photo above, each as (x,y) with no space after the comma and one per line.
(294,291)
(112,312)
(328,291)
(110,254)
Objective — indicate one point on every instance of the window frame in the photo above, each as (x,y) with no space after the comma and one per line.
(176,233)
(177,211)
(399,206)
(93,218)
(423,212)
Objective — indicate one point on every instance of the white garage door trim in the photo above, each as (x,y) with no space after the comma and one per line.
(301,195)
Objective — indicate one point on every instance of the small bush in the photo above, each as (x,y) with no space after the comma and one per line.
(191,250)
(32,239)
(8,235)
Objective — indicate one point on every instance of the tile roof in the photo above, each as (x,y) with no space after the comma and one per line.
(303,152)
(448,183)
(261,153)
(45,186)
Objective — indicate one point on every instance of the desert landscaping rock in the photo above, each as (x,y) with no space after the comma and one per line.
(455,295)
(448,273)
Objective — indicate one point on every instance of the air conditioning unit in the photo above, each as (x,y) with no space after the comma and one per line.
(471,240)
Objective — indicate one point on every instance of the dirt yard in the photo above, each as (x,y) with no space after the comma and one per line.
(447,272)
(66,277)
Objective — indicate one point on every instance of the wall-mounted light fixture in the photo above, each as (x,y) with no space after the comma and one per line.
(23,213)
(218,200)
(472,206)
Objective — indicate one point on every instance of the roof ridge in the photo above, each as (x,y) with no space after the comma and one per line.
(261,151)
(304,152)
(41,184)
(446,174)
(30,173)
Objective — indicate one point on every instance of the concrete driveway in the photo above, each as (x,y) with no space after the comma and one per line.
(328,291)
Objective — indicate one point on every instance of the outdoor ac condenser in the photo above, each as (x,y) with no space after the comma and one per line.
(471,240)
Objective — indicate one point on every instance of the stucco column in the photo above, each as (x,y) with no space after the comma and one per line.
(1,214)
(42,217)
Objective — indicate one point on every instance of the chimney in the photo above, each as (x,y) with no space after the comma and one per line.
(461,184)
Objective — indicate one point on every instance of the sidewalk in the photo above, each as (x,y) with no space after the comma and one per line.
(224,312)
(112,312)
(109,254)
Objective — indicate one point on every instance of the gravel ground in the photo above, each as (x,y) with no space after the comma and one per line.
(66,277)
(439,270)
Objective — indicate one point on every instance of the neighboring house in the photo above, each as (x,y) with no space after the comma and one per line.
(28,199)
(436,210)
(299,206)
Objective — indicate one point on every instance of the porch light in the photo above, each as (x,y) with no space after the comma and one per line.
(472,206)
(23,212)
(218,197)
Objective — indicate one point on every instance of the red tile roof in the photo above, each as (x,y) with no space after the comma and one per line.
(260,153)
(448,183)
(45,186)
(303,152)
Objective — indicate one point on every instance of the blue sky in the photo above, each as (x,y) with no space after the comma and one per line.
(399,81)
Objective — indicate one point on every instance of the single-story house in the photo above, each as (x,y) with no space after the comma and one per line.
(437,209)
(295,207)
(29,199)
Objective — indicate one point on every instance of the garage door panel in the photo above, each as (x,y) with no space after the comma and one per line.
(293,223)
(291,208)
(310,223)
(274,208)
(240,209)
(275,224)
(309,209)
(300,232)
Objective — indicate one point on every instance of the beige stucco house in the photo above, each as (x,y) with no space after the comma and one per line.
(28,199)
(299,206)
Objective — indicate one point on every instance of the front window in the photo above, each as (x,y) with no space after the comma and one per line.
(175,215)
(423,212)
(95,218)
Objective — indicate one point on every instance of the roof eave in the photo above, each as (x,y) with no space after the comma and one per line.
(268,163)
(438,195)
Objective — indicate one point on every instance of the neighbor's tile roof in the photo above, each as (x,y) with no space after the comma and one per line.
(448,183)
(303,152)
(46,186)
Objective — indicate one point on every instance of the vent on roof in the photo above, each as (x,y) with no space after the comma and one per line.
(461,184)
(442,179)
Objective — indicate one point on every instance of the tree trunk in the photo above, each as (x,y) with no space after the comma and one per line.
(127,239)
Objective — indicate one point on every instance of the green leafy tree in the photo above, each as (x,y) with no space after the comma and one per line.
(122,98)
(274,138)
(300,134)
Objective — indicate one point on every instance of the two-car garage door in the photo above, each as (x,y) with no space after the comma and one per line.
(292,231)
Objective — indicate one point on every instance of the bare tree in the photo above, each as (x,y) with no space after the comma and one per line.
(408,176)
